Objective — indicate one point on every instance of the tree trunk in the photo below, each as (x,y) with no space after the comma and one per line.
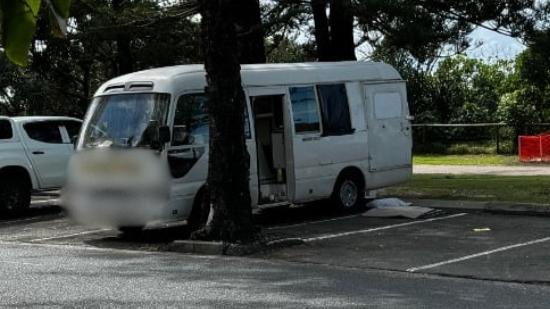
(229,162)
(322,32)
(334,34)
(124,61)
(250,33)
(341,30)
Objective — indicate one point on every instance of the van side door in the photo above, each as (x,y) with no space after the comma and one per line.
(389,127)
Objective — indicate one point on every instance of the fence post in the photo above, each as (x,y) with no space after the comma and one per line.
(498,139)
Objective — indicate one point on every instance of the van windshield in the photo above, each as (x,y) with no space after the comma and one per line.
(127,120)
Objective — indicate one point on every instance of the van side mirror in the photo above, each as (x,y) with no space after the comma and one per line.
(164,135)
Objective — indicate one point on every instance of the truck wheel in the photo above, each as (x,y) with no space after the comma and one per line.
(348,193)
(200,212)
(15,196)
(131,231)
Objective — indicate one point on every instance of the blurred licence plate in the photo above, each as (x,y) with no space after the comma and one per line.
(111,167)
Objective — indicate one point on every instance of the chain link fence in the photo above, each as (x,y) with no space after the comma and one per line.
(470,138)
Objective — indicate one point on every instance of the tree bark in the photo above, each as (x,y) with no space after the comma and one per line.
(341,30)
(229,162)
(250,33)
(124,59)
(322,32)
(334,33)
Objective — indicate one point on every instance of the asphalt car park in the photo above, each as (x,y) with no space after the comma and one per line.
(475,245)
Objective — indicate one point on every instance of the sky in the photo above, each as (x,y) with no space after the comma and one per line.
(494,46)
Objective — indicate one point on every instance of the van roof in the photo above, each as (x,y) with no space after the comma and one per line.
(257,75)
(38,118)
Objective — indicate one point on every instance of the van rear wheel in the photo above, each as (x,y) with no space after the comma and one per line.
(15,196)
(348,193)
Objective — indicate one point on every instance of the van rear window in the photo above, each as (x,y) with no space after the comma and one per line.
(6,131)
(334,109)
(388,105)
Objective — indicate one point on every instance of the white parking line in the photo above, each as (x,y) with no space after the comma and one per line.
(19,263)
(37,219)
(382,228)
(473,256)
(70,235)
(310,222)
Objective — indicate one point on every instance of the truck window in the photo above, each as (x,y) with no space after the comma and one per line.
(73,128)
(333,100)
(6,131)
(387,105)
(45,132)
(304,109)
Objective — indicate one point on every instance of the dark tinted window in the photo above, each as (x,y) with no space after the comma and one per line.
(334,109)
(73,128)
(46,132)
(6,131)
(191,121)
(304,109)
(191,125)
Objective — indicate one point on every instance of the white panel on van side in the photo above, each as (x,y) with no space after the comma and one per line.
(388,105)
(389,130)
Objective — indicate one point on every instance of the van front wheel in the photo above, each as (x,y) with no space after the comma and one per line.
(348,193)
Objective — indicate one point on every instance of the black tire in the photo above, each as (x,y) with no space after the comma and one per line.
(15,195)
(349,192)
(131,231)
(200,212)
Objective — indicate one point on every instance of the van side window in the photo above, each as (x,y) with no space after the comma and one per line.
(305,109)
(387,105)
(6,131)
(191,121)
(44,131)
(334,109)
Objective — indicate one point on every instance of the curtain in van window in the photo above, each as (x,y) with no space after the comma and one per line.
(334,109)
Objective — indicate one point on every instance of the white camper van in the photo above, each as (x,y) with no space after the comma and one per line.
(314,131)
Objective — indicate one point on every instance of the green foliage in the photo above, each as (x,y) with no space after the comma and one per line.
(522,108)
(63,74)
(284,50)
(19,19)
(18,25)
(470,89)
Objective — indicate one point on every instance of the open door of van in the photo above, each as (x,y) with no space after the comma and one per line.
(274,157)
(389,127)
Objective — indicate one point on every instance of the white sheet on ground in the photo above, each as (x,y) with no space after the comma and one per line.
(388,202)
(395,208)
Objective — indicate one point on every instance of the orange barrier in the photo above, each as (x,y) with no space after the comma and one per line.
(535,148)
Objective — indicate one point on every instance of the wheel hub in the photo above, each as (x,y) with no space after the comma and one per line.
(348,193)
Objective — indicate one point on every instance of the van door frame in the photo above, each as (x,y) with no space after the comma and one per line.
(289,133)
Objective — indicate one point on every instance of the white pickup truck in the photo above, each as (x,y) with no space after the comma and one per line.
(34,153)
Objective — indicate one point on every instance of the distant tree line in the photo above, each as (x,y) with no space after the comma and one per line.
(107,38)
